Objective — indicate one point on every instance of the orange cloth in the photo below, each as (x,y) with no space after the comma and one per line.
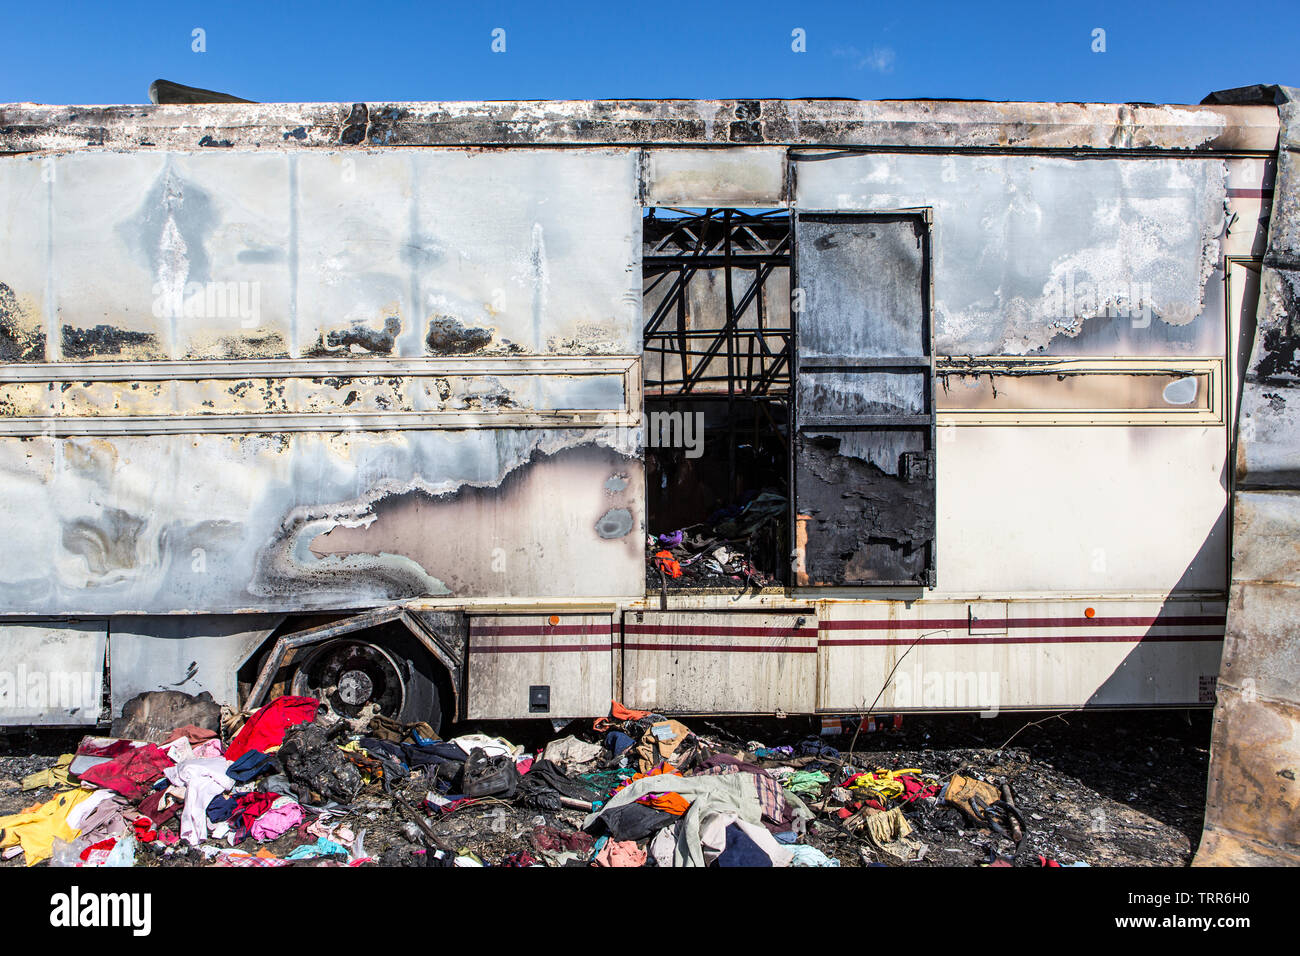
(662,770)
(617,714)
(673,803)
(665,562)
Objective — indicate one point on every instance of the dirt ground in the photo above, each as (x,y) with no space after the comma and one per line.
(1105,789)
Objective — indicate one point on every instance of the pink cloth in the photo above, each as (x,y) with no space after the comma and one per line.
(626,853)
(209,748)
(283,816)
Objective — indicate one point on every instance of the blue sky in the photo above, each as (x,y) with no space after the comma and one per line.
(334,51)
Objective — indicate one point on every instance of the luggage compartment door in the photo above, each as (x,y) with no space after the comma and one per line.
(692,662)
(539,665)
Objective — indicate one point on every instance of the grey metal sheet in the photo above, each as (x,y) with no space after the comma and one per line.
(52,674)
(1106,257)
(189,653)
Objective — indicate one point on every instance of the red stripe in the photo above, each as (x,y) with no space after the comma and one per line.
(719,630)
(1249,192)
(536,648)
(963,623)
(1039,639)
(538,630)
(738,648)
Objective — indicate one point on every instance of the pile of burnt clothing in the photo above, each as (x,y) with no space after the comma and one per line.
(273,787)
(733,546)
(188,787)
(688,800)
(882,807)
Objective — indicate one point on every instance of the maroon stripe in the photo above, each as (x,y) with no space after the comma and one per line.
(539,630)
(1247,192)
(536,648)
(738,648)
(719,630)
(961,622)
(1040,639)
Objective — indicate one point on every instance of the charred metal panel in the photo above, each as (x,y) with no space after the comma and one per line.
(288,380)
(191,654)
(1251,182)
(931,655)
(435,393)
(438,252)
(715,177)
(1035,254)
(298,127)
(153,256)
(569,654)
(52,673)
(161,256)
(219,523)
(723,662)
(1253,802)
(864,445)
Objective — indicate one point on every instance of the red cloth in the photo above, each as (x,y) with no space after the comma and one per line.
(266,728)
(100,849)
(87,748)
(192,733)
(916,789)
(132,774)
(148,808)
(249,807)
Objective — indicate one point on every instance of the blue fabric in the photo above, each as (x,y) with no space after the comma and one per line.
(252,764)
(322,847)
(812,747)
(741,850)
(617,742)
(221,808)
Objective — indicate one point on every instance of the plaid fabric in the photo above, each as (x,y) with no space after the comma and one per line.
(776,808)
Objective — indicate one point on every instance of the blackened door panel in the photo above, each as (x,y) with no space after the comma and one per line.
(864,401)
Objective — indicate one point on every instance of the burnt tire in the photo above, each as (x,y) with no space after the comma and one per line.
(355,676)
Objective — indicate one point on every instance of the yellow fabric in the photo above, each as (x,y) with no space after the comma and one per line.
(56,776)
(883,782)
(888,833)
(36,827)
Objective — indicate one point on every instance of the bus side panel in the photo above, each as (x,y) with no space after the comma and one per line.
(266,381)
(52,673)
(1018,655)
(536,665)
(723,662)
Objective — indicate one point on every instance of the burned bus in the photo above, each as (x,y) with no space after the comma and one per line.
(505,410)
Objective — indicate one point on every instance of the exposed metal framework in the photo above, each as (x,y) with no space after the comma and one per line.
(746,353)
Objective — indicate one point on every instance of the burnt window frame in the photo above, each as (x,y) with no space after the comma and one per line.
(923,219)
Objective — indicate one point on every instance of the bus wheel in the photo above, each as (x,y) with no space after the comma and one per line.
(356,677)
